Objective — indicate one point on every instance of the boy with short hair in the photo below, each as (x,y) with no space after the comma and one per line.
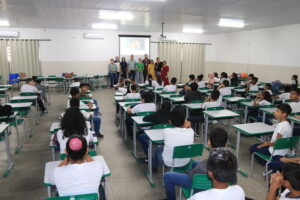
(192,93)
(180,135)
(172,87)
(201,83)
(224,88)
(268,88)
(218,137)
(29,87)
(290,179)
(221,169)
(133,93)
(252,85)
(212,101)
(283,130)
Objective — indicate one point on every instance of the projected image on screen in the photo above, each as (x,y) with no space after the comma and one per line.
(138,46)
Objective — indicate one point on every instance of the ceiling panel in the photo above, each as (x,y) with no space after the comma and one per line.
(148,14)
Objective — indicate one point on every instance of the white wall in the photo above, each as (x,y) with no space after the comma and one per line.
(271,53)
(69,52)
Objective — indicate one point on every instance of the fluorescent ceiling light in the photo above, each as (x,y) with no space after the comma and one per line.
(11,34)
(104,26)
(93,36)
(4,23)
(192,30)
(234,23)
(115,15)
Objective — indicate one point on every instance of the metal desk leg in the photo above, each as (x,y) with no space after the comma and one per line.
(246,114)
(134,140)
(10,163)
(18,136)
(237,151)
(264,117)
(49,191)
(149,172)
(206,131)
(53,154)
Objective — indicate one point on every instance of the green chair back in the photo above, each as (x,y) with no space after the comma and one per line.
(28,94)
(144,113)
(197,101)
(158,89)
(59,79)
(286,143)
(91,153)
(268,106)
(131,100)
(175,95)
(93,196)
(215,108)
(252,92)
(226,96)
(161,126)
(244,100)
(51,76)
(96,77)
(130,104)
(86,98)
(169,93)
(201,182)
(188,151)
(288,101)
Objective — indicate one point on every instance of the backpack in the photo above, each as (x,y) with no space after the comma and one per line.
(6,110)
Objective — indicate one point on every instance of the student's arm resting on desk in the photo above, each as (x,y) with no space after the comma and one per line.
(129,111)
(294,160)
(276,183)
(268,143)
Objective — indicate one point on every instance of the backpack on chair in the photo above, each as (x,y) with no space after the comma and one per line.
(6,111)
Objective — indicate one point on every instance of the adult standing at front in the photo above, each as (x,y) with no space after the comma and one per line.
(164,73)
(123,68)
(151,70)
(131,68)
(112,72)
(158,66)
(139,73)
(146,62)
(117,62)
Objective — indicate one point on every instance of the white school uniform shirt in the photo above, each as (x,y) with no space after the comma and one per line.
(253,87)
(283,195)
(216,79)
(143,107)
(223,79)
(75,84)
(234,192)
(211,104)
(264,103)
(295,106)
(285,96)
(225,91)
(284,128)
(157,86)
(63,141)
(81,105)
(176,137)
(76,179)
(170,88)
(152,83)
(201,84)
(133,96)
(123,90)
(28,88)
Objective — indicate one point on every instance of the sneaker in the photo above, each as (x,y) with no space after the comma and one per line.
(100,135)
(45,111)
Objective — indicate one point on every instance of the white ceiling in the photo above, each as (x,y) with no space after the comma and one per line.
(148,14)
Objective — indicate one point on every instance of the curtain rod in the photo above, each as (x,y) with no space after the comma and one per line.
(42,40)
(183,42)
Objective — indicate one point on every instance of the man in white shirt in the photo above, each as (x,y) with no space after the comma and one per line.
(78,173)
(29,87)
(283,130)
(172,87)
(221,169)
(180,135)
(289,179)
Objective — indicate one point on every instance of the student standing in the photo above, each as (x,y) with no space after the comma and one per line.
(78,173)
(283,130)
(151,70)
(123,68)
(164,73)
(139,70)
(29,87)
(146,62)
(112,73)
(158,66)
(117,62)
(131,68)
(221,169)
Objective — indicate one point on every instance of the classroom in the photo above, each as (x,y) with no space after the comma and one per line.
(149,100)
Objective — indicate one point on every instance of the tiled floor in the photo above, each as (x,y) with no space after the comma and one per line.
(127,181)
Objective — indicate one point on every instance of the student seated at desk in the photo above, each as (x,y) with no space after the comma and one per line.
(263,98)
(216,77)
(172,87)
(268,88)
(234,81)
(218,137)
(162,116)
(289,179)
(158,84)
(200,82)
(84,88)
(124,85)
(192,93)
(72,123)
(150,82)
(283,130)
(78,173)
(221,169)
(224,88)
(96,118)
(276,165)
(147,105)
(224,76)
(295,95)
(252,86)
(29,87)
(191,80)
(249,79)
(294,82)
(212,101)
(286,95)
(133,94)
(76,83)
(41,88)
(180,135)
